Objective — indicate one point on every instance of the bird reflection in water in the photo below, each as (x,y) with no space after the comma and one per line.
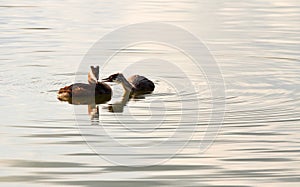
(134,87)
(96,93)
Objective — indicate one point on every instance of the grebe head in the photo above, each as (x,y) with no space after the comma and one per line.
(93,75)
(117,78)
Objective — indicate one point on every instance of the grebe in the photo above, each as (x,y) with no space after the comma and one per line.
(80,93)
(135,84)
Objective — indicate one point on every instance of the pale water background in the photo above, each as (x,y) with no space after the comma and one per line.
(255,43)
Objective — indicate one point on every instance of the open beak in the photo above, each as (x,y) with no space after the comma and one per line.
(106,80)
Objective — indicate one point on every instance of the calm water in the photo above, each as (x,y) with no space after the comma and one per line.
(43,142)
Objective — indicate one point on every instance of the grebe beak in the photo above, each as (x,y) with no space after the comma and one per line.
(107,79)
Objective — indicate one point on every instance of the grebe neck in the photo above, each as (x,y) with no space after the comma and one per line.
(92,78)
(128,87)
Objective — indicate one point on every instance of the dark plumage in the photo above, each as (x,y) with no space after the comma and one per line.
(141,83)
(80,93)
(85,90)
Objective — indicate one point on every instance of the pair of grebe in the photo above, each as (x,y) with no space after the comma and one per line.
(100,91)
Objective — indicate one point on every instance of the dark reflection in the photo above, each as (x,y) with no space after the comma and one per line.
(93,102)
(89,100)
(118,107)
(93,111)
